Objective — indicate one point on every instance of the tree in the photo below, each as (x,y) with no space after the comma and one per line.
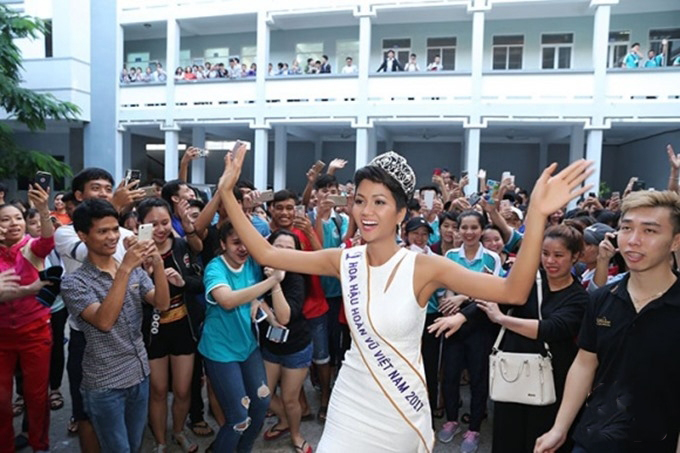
(24,105)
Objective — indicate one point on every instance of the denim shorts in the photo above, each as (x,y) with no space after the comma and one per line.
(318,328)
(294,361)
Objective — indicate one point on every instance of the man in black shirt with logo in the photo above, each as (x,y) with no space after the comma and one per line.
(627,371)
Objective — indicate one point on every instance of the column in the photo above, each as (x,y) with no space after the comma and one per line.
(364,63)
(542,155)
(171,152)
(594,153)
(172,61)
(600,44)
(372,144)
(102,142)
(126,148)
(261,160)
(361,148)
(198,165)
(318,150)
(477,8)
(262,55)
(576,143)
(280,156)
(471,157)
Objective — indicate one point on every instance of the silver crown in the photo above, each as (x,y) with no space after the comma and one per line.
(397,167)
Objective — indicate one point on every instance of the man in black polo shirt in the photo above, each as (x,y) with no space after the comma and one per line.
(627,370)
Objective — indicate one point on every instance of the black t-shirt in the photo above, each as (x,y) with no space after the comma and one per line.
(562,313)
(293,287)
(176,293)
(634,405)
(211,245)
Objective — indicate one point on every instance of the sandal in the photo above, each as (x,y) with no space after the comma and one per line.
(321,415)
(72,426)
(20,442)
(187,446)
(56,400)
(274,432)
(18,406)
(304,447)
(201,429)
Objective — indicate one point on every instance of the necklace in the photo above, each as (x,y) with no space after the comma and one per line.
(640,303)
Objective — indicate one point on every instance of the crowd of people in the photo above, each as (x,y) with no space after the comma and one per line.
(162,287)
(635,58)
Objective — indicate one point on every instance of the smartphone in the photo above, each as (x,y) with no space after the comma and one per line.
(338,200)
(474,199)
(639,185)
(505,175)
(132,175)
(43,179)
(260,316)
(299,211)
(428,198)
(202,152)
(616,195)
(463,174)
(493,185)
(145,232)
(318,166)
(592,195)
(437,171)
(277,334)
(614,240)
(265,196)
(149,191)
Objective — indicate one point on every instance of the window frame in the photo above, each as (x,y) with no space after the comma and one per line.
(611,48)
(440,51)
(397,50)
(507,54)
(557,48)
(302,61)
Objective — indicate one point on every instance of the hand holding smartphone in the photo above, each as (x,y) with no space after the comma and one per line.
(43,179)
(145,232)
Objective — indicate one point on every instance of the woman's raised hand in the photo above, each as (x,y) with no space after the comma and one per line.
(233,163)
(553,192)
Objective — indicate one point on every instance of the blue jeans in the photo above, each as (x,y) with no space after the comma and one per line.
(118,416)
(318,328)
(241,389)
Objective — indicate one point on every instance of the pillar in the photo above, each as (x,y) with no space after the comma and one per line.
(477,8)
(171,152)
(261,154)
(361,151)
(542,156)
(280,156)
(198,165)
(594,153)
(471,157)
(364,63)
(318,150)
(172,61)
(262,55)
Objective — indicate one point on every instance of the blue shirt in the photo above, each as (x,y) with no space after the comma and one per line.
(632,60)
(260,225)
(484,260)
(333,232)
(655,62)
(227,334)
(434,237)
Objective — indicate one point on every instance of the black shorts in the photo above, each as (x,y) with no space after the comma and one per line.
(172,339)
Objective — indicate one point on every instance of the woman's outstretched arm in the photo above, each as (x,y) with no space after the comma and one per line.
(321,262)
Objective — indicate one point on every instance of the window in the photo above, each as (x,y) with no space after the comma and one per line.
(249,55)
(185,58)
(507,52)
(400,46)
(305,50)
(48,38)
(138,59)
(556,50)
(445,48)
(619,41)
(217,55)
(673,37)
(344,49)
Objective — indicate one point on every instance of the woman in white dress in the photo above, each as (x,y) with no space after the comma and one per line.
(379,402)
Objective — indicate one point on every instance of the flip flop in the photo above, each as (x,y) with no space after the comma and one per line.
(56,400)
(274,432)
(18,406)
(201,428)
(304,447)
(72,427)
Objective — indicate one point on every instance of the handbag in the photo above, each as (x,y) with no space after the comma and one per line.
(524,378)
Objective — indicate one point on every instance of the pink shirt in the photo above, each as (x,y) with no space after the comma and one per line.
(19,312)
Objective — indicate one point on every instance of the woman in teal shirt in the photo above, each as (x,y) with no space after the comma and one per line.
(233,283)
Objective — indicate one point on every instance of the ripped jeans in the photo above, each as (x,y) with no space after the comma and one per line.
(241,389)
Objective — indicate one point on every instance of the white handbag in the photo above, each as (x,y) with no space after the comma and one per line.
(524,378)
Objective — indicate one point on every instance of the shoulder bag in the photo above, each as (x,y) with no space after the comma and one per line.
(524,378)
